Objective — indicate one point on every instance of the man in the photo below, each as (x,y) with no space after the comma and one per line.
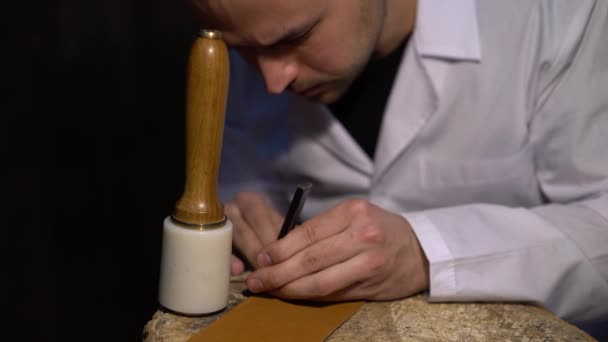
(485,179)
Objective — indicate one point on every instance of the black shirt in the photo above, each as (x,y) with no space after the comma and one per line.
(361,108)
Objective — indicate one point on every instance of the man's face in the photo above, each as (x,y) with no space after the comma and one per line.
(315,48)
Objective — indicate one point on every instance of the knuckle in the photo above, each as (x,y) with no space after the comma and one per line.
(245,197)
(310,234)
(357,206)
(372,233)
(311,262)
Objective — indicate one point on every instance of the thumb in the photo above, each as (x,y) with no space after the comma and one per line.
(236,265)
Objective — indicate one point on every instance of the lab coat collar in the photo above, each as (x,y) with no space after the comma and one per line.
(448,29)
(445,29)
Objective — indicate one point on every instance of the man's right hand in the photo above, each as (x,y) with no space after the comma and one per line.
(255,224)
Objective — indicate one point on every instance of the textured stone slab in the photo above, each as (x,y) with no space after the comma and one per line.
(411,319)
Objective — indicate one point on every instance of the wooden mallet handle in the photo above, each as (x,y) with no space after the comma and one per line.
(207,91)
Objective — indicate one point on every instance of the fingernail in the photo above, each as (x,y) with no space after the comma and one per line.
(264,259)
(255,285)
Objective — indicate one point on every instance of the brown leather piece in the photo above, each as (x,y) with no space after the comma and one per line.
(271,319)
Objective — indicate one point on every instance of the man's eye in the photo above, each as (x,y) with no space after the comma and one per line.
(293,40)
(300,38)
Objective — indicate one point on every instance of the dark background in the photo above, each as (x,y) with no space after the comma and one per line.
(92,160)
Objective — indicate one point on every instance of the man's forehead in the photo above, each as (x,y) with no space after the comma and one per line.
(257,20)
(242,9)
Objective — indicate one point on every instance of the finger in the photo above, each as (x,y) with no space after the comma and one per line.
(236,265)
(310,232)
(321,255)
(343,281)
(262,217)
(244,238)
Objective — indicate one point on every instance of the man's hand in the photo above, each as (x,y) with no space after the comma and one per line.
(353,251)
(255,223)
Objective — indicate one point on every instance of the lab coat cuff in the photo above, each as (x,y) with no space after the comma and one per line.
(441,266)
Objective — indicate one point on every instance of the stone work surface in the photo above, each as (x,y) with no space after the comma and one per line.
(414,319)
(411,319)
(170,327)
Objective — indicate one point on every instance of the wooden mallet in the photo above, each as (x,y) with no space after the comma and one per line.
(197,238)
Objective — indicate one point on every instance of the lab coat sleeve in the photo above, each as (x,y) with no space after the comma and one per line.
(556,254)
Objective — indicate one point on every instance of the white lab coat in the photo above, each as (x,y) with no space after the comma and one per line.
(494,145)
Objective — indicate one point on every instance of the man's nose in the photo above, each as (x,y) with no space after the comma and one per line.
(279,71)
